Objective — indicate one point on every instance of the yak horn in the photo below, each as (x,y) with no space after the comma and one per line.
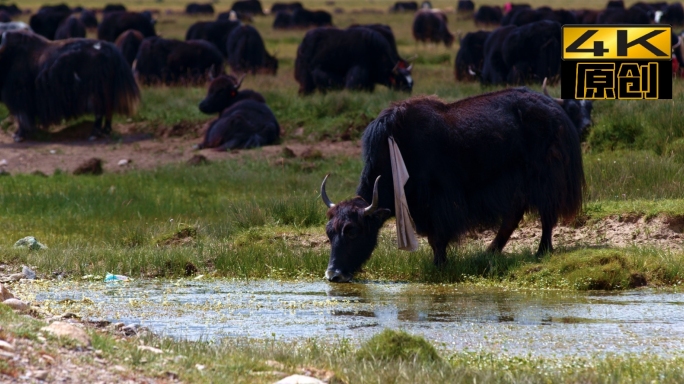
(240,82)
(410,67)
(471,72)
(374,204)
(324,195)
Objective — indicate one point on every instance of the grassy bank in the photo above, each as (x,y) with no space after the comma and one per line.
(250,219)
(389,356)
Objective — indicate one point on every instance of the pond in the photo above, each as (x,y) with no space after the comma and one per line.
(455,317)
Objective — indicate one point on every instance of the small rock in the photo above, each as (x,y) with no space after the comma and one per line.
(3,162)
(5,293)
(198,160)
(6,355)
(90,167)
(16,304)
(48,359)
(179,358)
(130,330)
(29,242)
(52,151)
(300,379)
(150,349)
(28,273)
(15,276)
(200,367)
(119,368)
(6,346)
(39,375)
(123,162)
(62,329)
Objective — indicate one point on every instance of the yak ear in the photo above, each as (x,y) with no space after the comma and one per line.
(382,214)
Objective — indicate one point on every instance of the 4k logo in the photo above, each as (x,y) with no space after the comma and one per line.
(616,42)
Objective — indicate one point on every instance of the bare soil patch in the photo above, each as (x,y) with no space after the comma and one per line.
(133,148)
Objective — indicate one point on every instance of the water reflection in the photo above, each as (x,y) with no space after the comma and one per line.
(457,317)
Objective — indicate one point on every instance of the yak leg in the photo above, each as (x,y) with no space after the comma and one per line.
(547,234)
(107,129)
(97,128)
(24,128)
(509,224)
(438,249)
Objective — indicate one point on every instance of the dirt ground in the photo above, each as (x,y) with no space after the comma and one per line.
(132,149)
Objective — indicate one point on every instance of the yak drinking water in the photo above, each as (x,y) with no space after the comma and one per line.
(245,121)
(44,82)
(478,162)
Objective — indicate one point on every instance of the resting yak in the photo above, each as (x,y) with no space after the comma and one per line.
(247,52)
(245,121)
(72,78)
(115,23)
(69,28)
(215,32)
(468,168)
(354,58)
(171,62)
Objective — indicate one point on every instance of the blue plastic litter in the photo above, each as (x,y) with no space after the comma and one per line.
(111,277)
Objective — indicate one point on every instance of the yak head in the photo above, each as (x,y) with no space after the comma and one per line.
(221,94)
(353,227)
(400,78)
(579,111)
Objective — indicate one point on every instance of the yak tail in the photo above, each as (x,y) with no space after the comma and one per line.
(126,95)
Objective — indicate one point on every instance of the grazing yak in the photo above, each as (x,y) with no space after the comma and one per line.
(69,28)
(519,55)
(247,52)
(170,62)
(470,56)
(355,58)
(48,19)
(115,23)
(199,9)
(11,9)
(89,19)
(286,7)
(44,82)
(468,168)
(129,44)
(431,25)
(488,15)
(252,7)
(114,8)
(301,18)
(245,121)
(215,32)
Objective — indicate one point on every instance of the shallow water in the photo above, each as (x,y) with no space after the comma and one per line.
(459,318)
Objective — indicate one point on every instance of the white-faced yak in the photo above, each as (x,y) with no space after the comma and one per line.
(468,168)
(44,82)
(245,121)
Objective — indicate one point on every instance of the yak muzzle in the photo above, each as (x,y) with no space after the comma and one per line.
(337,276)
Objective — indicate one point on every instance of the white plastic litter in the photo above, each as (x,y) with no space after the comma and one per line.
(29,242)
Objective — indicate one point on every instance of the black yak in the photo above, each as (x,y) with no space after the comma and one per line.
(431,25)
(488,15)
(5,17)
(252,7)
(69,28)
(199,9)
(172,62)
(129,44)
(109,8)
(245,121)
(43,82)
(355,58)
(11,9)
(46,21)
(468,168)
(115,23)
(285,7)
(89,19)
(470,56)
(282,20)
(247,52)
(215,32)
